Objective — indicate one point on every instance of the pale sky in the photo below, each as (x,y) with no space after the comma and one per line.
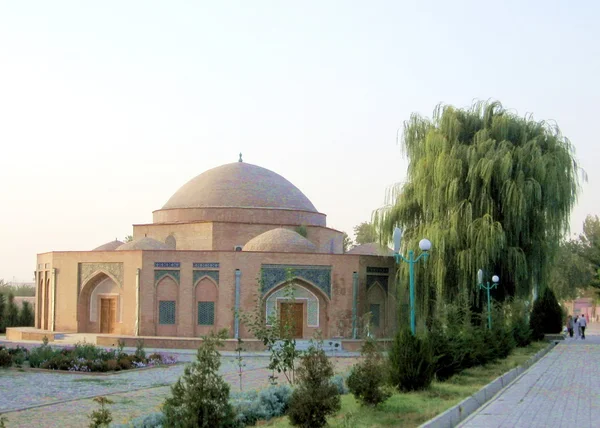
(107,108)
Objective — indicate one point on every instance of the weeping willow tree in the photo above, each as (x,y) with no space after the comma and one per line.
(491,190)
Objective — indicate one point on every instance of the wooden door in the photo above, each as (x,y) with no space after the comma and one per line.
(292,314)
(108,315)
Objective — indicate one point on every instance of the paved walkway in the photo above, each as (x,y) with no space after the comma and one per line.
(561,390)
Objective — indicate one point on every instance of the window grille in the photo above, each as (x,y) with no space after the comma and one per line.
(166,312)
(375,314)
(206,313)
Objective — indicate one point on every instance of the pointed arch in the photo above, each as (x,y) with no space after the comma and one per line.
(205,304)
(100,284)
(166,307)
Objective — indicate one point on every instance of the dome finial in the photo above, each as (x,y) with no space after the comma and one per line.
(240,159)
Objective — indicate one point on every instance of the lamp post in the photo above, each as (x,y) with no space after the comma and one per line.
(425,246)
(488,287)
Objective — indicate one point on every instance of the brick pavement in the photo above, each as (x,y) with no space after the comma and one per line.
(561,390)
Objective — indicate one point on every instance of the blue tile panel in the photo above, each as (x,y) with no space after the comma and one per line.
(214,274)
(274,275)
(167,264)
(206,265)
(159,274)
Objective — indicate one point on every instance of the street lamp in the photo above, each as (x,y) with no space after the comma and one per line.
(425,246)
(488,287)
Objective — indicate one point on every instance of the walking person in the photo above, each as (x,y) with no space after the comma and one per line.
(570,326)
(576,326)
(582,325)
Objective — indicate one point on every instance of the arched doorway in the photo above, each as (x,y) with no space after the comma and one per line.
(100,306)
(376,304)
(205,306)
(301,306)
(167,293)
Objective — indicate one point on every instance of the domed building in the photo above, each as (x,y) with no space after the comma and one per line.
(232,234)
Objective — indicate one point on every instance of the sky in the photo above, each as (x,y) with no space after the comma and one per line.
(107,108)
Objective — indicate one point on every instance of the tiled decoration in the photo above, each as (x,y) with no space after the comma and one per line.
(274,275)
(375,309)
(299,293)
(167,264)
(166,312)
(214,274)
(378,270)
(206,313)
(160,274)
(87,270)
(205,265)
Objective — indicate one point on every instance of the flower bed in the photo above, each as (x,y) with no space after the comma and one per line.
(82,357)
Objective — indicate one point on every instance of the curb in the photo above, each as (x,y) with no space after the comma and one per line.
(455,415)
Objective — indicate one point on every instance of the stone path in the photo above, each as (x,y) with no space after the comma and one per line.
(32,398)
(561,390)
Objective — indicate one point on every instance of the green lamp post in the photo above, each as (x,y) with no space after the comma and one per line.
(425,246)
(488,287)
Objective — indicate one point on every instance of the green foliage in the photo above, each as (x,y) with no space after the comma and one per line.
(253,406)
(301,230)
(2,309)
(491,190)
(546,316)
(40,354)
(200,398)
(411,362)
(101,417)
(26,315)
(3,421)
(367,378)
(239,361)
(365,233)
(5,359)
(276,335)
(20,290)
(315,397)
(140,352)
(340,384)
(346,242)
(11,312)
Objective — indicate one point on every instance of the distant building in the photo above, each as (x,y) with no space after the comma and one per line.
(198,264)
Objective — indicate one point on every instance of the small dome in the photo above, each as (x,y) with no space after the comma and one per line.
(144,243)
(280,241)
(109,246)
(239,185)
(372,249)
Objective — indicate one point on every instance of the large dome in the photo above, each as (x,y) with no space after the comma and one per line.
(240,185)
(280,240)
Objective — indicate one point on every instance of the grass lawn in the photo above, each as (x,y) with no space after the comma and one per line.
(414,408)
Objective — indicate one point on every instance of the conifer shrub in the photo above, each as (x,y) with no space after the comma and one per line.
(367,379)
(546,316)
(521,332)
(340,383)
(200,397)
(315,397)
(5,359)
(411,362)
(101,417)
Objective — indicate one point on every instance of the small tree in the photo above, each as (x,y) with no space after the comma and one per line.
(546,316)
(411,362)
(2,309)
(26,316)
(367,378)
(11,312)
(201,396)
(316,396)
(102,417)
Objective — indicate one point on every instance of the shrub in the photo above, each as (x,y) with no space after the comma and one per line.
(26,315)
(5,359)
(521,332)
(269,403)
(153,420)
(140,352)
(546,316)
(112,365)
(101,417)
(200,398)
(367,378)
(411,362)
(315,397)
(125,363)
(18,358)
(448,354)
(340,384)
(86,351)
(39,355)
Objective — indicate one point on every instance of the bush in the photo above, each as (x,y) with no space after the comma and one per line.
(153,420)
(315,397)
(101,417)
(125,363)
(26,315)
(5,359)
(448,354)
(18,357)
(546,316)
(411,362)
(340,384)
(367,378)
(39,355)
(253,406)
(200,398)
(521,332)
